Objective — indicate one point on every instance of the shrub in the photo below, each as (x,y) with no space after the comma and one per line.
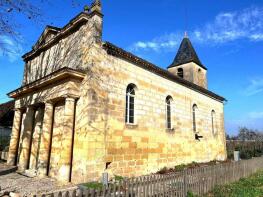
(246,154)
(190,194)
(118,178)
(163,170)
(180,167)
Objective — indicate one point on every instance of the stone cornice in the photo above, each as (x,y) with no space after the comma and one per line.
(63,73)
(118,52)
(175,65)
(48,28)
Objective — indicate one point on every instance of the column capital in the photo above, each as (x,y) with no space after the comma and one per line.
(18,110)
(70,99)
(71,96)
(49,103)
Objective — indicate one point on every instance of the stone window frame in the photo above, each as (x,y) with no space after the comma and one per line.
(130,95)
(168,109)
(213,122)
(194,110)
(180,72)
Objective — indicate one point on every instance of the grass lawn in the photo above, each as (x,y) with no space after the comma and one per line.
(245,187)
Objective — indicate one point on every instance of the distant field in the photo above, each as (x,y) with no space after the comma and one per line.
(246,187)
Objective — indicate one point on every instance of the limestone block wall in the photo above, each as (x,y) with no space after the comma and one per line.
(200,76)
(103,142)
(188,71)
(193,73)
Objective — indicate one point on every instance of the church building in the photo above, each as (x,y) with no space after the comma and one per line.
(86,106)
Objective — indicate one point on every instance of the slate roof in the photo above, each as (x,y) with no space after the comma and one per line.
(186,54)
(7,113)
(120,53)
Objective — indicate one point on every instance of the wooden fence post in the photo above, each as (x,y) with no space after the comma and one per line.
(185,186)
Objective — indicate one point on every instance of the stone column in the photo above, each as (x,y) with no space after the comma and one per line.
(37,129)
(45,141)
(68,132)
(14,142)
(26,138)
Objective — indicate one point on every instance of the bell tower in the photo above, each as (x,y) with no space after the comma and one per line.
(187,65)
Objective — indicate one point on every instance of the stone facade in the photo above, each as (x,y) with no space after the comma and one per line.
(70,116)
(193,73)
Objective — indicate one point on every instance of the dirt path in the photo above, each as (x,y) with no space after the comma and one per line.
(26,186)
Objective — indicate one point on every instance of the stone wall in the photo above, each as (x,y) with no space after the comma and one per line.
(193,73)
(102,137)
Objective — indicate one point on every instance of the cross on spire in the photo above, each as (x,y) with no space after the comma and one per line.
(96,6)
(97,2)
(185,34)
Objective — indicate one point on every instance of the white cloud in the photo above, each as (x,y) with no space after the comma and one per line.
(167,42)
(255,86)
(230,26)
(257,37)
(256,115)
(226,27)
(9,48)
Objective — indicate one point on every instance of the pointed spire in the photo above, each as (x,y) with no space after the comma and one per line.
(186,54)
(96,6)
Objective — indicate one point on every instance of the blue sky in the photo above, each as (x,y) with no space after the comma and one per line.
(227,35)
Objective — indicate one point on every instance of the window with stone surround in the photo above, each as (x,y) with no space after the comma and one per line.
(180,72)
(168,101)
(92,97)
(213,113)
(194,109)
(130,101)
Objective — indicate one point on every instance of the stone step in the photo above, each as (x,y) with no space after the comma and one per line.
(30,173)
(6,169)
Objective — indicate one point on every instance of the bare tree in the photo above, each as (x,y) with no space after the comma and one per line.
(9,12)
(249,134)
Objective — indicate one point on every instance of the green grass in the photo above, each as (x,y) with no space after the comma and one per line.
(93,185)
(248,187)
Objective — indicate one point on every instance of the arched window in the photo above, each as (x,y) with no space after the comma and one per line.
(180,72)
(130,99)
(92,97)
(168,101)
(213,121)
(194,109)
